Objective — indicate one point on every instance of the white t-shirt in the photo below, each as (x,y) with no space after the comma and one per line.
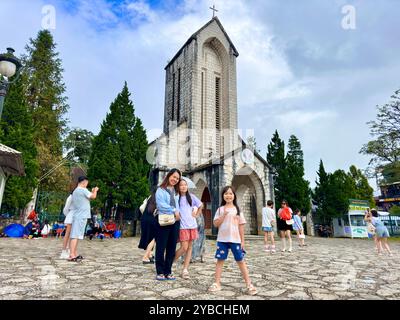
(228,230)
(268,215)
(46,229)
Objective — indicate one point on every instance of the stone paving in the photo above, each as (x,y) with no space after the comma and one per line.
(112,269)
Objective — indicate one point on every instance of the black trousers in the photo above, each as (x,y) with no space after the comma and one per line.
(166,239)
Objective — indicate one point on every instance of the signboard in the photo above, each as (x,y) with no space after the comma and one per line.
(359,232)
(389,199)
(358,205)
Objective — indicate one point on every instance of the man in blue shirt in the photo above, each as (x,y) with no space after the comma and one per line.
(81,213)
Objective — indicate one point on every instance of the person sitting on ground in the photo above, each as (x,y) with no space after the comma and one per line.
(46,230)
(60,229)
(35,231)
(110,228)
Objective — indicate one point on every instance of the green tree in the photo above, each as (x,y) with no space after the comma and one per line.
(321,190)
(362,189)
(16,132)
(385,148)
(118,160)
(276,158)
(44,92)
(79,141)
(297,189)
(340,190)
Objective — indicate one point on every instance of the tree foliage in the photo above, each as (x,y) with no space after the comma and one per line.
(79,142)
(44,91)
(385,148)
(16,132)
(118,160)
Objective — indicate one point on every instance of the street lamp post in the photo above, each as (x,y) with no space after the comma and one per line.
(10,66)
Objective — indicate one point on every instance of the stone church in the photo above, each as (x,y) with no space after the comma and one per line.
(201,136)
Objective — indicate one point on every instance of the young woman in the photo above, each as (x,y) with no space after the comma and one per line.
(189,206)
(284,226)
(230,223)
(167,236)
(381,231)
(148,230)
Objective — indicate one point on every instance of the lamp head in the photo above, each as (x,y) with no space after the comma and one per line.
(9,64)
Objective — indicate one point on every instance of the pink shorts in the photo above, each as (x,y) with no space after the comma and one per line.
(188,234)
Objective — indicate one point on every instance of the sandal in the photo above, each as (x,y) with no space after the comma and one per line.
(160,277)
(251,290)
(185,274)
(80,257)
(76,259)
(214,287)
(170,277)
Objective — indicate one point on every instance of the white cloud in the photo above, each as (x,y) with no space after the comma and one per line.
(327,107)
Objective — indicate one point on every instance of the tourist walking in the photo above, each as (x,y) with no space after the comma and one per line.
(381,231)
(148,230)
(268,222)
(190,208)
(298,227)
(167,233)
(285,223)
(230,223)
(80,208)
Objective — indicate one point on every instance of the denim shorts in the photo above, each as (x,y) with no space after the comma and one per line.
(223,249)
(267,229)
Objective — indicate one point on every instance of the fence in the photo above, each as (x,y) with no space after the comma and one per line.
(392,223)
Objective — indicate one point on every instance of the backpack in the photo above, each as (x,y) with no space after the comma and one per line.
(285,214)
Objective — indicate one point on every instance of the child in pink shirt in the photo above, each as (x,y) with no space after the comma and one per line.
(230,223)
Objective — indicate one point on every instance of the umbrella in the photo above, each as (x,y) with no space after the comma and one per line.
(189,182)
(14,230)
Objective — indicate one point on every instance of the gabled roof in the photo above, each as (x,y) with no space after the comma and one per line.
(194,36)
(11,161)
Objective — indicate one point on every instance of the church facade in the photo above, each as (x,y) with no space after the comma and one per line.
(200,133)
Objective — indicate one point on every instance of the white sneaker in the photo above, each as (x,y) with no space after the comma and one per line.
(290,250)
(64,255)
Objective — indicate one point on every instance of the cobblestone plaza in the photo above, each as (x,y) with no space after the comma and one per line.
(113,269)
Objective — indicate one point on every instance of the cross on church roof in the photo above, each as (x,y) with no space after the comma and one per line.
(213,9)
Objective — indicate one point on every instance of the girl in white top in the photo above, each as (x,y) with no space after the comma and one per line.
(268,221)
(230,223)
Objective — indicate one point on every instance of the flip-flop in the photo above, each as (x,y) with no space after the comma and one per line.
(160,277)
(170,277)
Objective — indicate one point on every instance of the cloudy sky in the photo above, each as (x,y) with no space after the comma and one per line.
(299,70)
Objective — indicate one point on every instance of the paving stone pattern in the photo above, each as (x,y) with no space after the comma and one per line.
(113,269)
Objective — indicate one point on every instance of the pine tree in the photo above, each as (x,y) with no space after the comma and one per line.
(16,132)
(321,189)
(297,189)
(45,97)
(118,160)
(276,158)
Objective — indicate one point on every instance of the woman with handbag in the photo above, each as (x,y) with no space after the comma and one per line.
(285,223)
(167,224)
